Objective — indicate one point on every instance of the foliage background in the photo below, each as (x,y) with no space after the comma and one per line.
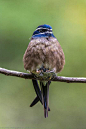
(18,20)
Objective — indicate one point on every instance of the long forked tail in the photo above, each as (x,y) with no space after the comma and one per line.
(39,95)
(45,97)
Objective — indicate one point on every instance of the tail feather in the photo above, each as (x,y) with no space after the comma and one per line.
(34,101)
(45,97)
(37,89)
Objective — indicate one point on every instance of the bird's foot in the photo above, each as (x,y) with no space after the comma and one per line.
(44,75)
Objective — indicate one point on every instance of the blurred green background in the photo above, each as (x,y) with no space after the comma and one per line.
(18,20)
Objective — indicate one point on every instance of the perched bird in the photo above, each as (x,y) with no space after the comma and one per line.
(44,58)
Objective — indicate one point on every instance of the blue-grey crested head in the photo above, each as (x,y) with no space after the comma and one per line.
(43,31)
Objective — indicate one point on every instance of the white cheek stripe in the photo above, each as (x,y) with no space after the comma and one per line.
(43,33)
(42,28)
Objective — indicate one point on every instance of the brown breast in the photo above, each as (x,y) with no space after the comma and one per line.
(42,51)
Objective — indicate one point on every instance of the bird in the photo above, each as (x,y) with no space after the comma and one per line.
(44,58)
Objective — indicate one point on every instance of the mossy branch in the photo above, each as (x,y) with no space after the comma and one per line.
(30,76)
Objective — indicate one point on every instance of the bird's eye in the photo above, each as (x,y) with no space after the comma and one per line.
(42,30)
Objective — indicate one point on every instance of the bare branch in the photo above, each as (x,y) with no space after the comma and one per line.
(16,73)
(30,76)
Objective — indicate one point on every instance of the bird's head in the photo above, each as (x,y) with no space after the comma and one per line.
(43,31)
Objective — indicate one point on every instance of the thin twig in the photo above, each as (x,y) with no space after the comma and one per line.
(30,76)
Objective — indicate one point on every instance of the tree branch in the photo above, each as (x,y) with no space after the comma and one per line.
(30,76)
